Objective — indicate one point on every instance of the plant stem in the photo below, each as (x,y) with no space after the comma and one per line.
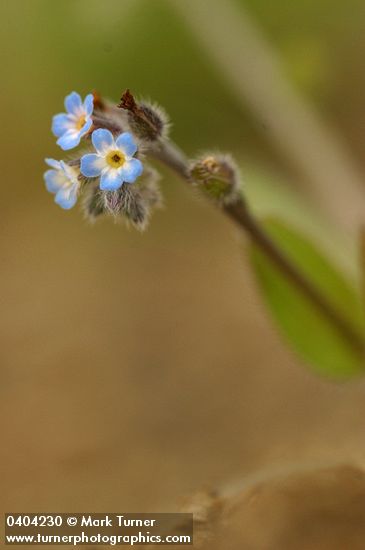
(291,122)
(170,155)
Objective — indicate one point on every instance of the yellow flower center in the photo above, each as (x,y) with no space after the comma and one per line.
(115,159)
(81,121)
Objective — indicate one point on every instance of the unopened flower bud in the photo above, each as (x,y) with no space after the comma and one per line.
(134,203)
(92,201)
(148,122)
(217,175)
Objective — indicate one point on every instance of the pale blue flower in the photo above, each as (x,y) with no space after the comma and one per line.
(71,126)
(63,182)
(113,161)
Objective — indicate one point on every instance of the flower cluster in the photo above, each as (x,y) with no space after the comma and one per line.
(106,166)
(107,169)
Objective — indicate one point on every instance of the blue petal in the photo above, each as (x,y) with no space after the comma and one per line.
(126,144)
(102,140)
(66,198)
(73,103)
(91,165)
(60,124)
(71,173)
(111,179)
(89,104)
(86,127)
(54,180)
(53,163)
(69,140)
(131,170)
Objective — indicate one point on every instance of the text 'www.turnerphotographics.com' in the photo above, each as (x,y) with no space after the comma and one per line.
(111,529)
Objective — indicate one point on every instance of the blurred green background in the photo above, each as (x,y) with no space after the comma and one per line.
(138,368)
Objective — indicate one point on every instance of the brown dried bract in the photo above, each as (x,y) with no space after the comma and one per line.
(98,102)
(127,101)
(146,121)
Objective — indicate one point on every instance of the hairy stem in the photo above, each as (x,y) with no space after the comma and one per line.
(238,211)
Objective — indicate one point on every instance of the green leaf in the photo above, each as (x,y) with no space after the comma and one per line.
(312,335)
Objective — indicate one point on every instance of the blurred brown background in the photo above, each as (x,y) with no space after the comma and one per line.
(137,368)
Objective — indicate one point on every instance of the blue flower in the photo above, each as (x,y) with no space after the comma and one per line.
(63,182)
(71,126)
(113,160)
